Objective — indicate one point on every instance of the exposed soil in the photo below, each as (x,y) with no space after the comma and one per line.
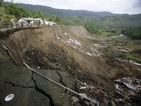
(52,48)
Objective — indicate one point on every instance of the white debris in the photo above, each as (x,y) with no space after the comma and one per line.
(38,67)
(138,64)
(121,35)
(9,97)
(97,45)
(118,80)
(123,50)
(85,83)
(114,36)
(118,87)
(65,33)
(77,42)
(83,87)
(128,85)
(83,95)
(131,61)
(74,99)
(69,42)
(58,37)
(51,23)
(89,54)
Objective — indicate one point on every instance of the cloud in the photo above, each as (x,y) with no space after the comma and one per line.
(138,4)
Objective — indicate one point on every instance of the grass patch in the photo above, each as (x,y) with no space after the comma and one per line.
(130,56)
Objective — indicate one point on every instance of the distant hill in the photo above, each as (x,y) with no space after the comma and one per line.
(84,17)
(46,10)
(131,20)
(103,18)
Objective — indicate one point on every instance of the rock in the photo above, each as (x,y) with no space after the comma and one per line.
(113,103)
(83,95)
(87,103)
(74,99)
(128,104)
(76,104)
(83,87)
(91,104)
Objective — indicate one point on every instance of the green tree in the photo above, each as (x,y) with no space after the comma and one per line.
(1,3)
(51,18)
(132,32)
(58,20)
(38,15)
(17,11)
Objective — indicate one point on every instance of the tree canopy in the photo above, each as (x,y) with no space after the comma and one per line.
(132,32)
(17,11)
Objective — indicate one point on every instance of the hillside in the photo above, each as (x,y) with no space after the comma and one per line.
(132,20)
(71,57)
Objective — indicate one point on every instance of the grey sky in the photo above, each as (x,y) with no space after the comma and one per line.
(114,6)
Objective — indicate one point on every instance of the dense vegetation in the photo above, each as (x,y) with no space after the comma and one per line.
(133,32)
(3,15)
(15,10)
(18,11)
(12,10)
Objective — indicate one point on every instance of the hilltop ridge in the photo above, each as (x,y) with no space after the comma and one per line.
(46,10)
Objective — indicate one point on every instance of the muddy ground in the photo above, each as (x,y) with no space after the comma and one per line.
(71,56)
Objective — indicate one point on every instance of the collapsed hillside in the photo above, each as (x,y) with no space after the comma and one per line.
(67,54)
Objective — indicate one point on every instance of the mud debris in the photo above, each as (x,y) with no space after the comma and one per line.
(75,44)
(127,88)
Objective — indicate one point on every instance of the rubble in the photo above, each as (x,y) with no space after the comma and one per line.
(83,95)
(74,99)
(91,104)
(130,61)
(70,41)
(127,87)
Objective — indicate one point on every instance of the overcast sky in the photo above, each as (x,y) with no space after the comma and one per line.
(114,6)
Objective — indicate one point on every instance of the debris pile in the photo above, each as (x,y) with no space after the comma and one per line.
(126,88)
(77,45)
(85,90)
(130,61)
